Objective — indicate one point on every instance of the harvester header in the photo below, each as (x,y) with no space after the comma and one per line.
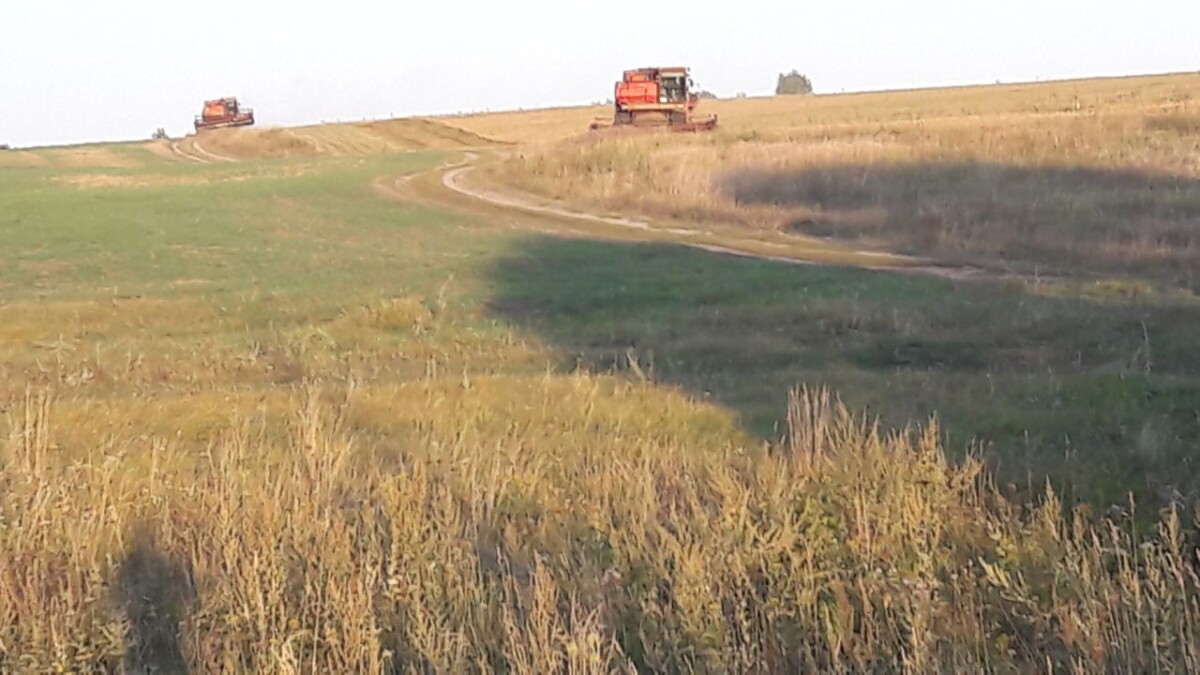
(657,97)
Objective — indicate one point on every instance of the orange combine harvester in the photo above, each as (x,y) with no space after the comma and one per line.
(223,112)
(657,97)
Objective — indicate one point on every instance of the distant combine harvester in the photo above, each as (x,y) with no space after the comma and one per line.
(223,112)
(656,97)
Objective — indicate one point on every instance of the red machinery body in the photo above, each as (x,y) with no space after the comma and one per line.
(657,97)
(223,112)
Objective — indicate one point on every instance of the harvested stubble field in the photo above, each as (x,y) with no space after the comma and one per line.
(266,410)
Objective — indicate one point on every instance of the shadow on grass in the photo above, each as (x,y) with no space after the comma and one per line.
(154,593)
(1107,392)
(1084,219)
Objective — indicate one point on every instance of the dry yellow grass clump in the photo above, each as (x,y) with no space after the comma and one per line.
(566,538)
(357,139)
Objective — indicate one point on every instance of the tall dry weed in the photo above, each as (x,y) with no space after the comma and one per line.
(847,550)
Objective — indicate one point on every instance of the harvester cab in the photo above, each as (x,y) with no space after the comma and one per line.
(223,112)
(675,88)
(657,97)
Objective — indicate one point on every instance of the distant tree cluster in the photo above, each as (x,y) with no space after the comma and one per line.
(5,146)
(792,84)
(704,93)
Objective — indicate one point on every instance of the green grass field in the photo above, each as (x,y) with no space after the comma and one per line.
(1099,393)
(287,415)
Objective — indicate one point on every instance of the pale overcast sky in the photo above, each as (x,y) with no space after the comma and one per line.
(73,71)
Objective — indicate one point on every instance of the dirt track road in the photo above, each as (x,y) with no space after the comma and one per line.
(457,178)
(458,185)
(177,148)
